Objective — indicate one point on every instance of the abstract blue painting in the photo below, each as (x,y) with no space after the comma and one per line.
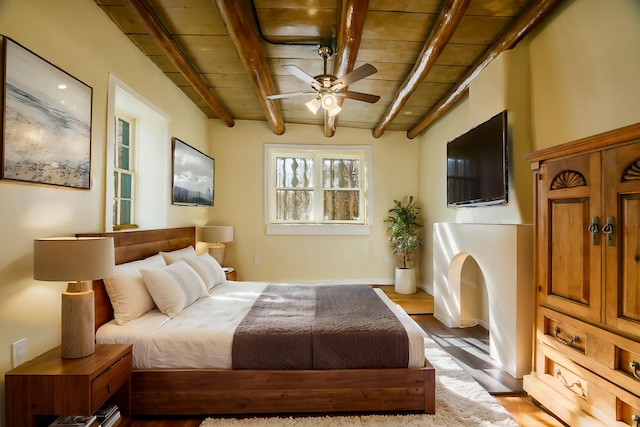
(47,126)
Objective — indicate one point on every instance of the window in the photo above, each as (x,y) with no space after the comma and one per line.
(317,190)
(123,174)
(145,128)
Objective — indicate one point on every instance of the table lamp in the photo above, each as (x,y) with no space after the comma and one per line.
(216,236)
(77,261)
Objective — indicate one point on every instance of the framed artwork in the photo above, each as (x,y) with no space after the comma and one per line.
(193,173)
(46,137)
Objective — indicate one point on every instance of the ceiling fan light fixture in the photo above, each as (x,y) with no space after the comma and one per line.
(329,101)
(334,110)
(314,105)
(330,104)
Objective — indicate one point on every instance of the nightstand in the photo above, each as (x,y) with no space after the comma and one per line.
(48,386)
(231,275)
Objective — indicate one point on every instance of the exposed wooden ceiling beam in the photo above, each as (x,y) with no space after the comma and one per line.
(160,34)
(446,24)
(351,20)
(239,19)
(527,20)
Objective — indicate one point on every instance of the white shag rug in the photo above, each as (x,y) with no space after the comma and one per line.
(460,402)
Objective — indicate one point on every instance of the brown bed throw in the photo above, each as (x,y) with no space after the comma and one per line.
(320,327)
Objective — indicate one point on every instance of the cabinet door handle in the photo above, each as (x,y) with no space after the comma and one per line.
(634,369)
(561,380)
(594,229)
(574,338)
(609,230)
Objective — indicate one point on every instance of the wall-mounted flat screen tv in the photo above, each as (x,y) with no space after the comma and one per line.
(477,165)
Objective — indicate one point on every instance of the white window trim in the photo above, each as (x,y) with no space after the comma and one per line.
(133,171)
(156,123)
(319,229)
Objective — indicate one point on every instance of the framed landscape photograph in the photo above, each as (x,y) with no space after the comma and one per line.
(193,174)
(46,137)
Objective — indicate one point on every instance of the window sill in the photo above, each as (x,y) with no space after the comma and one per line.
(318,230)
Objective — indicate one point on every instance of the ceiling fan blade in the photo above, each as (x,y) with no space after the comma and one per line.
(361,96)
(297,72)
(290,94)
(358,74)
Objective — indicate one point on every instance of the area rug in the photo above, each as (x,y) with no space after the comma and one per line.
(460,402)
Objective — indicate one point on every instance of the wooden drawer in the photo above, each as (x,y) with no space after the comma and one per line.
(610,355)
(627,409)
(563,375)
(110,380)
(593,394)
(563,333)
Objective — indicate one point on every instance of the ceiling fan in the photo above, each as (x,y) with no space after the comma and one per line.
(327,88)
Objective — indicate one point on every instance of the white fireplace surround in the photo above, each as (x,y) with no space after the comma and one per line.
(504,255)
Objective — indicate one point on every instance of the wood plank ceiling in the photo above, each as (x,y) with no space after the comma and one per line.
(227,55)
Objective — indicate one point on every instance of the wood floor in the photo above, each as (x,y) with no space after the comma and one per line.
(468,346)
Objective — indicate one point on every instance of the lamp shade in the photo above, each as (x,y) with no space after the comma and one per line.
(73,259)
(314,105)
(217,233)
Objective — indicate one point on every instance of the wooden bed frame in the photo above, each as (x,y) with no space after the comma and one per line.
(220,391)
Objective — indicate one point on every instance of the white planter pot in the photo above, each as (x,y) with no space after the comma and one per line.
(405,281)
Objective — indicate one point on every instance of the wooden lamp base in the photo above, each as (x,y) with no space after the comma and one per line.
(78,334)
(216,250)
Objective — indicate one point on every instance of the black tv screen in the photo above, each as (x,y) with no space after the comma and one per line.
(477,165)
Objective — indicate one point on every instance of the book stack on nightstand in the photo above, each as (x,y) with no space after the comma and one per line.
(73,421)
(108,414)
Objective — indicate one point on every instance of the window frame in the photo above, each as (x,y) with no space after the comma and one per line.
(118,172)
(364,152)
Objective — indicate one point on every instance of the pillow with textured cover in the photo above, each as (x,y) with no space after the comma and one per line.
(208,268)
(174,287)
(177,255)
(127,291)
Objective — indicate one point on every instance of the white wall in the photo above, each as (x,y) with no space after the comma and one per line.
(584,70)
(239,195)
(77,37)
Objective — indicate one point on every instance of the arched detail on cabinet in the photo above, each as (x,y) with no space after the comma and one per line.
(568,179)
(632,172)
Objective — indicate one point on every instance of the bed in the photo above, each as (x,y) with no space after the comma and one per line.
(210,391)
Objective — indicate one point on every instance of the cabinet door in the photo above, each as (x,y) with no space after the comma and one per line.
(622,256)
(569,264)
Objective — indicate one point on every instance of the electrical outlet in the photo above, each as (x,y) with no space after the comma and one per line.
(386,258)
(19,352)
(256,259)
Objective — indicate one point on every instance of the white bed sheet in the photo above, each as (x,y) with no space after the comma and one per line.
(201,336)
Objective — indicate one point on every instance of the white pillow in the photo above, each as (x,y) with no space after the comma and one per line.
(127,292)
(177,255)
(174,287)
(208,268)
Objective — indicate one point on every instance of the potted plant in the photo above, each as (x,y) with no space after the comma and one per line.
(403,227)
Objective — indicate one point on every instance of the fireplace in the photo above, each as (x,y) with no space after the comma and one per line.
(483,274)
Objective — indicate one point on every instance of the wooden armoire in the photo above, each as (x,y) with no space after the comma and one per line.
(587,279)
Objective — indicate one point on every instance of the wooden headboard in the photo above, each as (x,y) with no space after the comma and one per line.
(132,246)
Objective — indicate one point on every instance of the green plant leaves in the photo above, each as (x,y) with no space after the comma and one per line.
(403,227)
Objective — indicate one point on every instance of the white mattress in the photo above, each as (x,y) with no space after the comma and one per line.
(201,335)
